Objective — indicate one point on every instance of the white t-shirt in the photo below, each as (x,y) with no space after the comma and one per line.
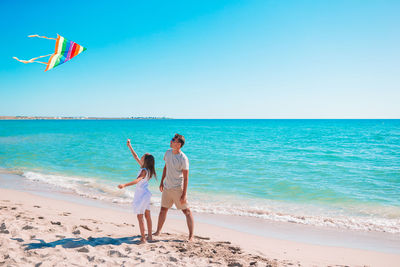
(175,163)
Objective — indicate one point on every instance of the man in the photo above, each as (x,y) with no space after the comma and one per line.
(174,184)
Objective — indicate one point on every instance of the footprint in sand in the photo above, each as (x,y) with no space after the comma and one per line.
(90,220)
(85,227)
(116,253)
(84,250)
(76,232)
(202,238)
(232,264)
(235,250)
(3,229)
(140,259)
(173,259)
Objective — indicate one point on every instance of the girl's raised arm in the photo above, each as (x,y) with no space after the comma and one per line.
(135,156)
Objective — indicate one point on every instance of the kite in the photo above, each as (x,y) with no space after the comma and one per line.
(65,51)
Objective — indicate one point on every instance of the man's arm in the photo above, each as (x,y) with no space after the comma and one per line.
(185,185)
(164,173)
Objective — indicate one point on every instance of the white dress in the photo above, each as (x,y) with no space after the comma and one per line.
(141,200)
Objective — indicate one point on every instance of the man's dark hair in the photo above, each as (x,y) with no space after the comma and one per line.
(180,139)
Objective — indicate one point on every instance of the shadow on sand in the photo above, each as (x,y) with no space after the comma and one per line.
(80,242)
(91,241)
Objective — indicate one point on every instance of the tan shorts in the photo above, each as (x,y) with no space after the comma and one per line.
(173,196)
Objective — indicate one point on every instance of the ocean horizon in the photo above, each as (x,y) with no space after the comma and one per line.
(342,173)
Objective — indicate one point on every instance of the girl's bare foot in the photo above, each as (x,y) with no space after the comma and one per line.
(156,233)
(142,241)
(149,238)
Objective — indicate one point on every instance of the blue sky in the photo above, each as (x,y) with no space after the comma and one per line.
(204,59)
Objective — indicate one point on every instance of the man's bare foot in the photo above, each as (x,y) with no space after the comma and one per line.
(149,238)
(156,233)
(190,239)
(142,241)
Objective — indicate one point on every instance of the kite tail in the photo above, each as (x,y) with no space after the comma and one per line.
(32,60)
(35,35)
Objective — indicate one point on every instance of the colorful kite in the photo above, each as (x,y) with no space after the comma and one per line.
(65,50)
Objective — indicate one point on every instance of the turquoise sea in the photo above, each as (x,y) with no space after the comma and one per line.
(338,173)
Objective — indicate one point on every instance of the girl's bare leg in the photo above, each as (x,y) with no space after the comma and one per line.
(149,225)
(141,226)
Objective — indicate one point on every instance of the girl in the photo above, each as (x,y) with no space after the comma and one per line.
(141,200)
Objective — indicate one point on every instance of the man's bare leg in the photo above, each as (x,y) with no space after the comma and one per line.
(161,219)
(190,222)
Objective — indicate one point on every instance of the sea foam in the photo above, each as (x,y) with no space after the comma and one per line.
(229,205)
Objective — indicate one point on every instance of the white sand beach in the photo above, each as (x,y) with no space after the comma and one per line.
(41,231)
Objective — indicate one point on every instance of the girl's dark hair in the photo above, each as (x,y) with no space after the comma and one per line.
(148,163)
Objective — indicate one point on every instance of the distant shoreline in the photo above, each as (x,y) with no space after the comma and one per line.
(167,118)
(79,118)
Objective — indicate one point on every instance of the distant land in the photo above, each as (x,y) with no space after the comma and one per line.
(79,118)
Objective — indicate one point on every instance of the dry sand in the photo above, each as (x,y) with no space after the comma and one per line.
(39,231)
